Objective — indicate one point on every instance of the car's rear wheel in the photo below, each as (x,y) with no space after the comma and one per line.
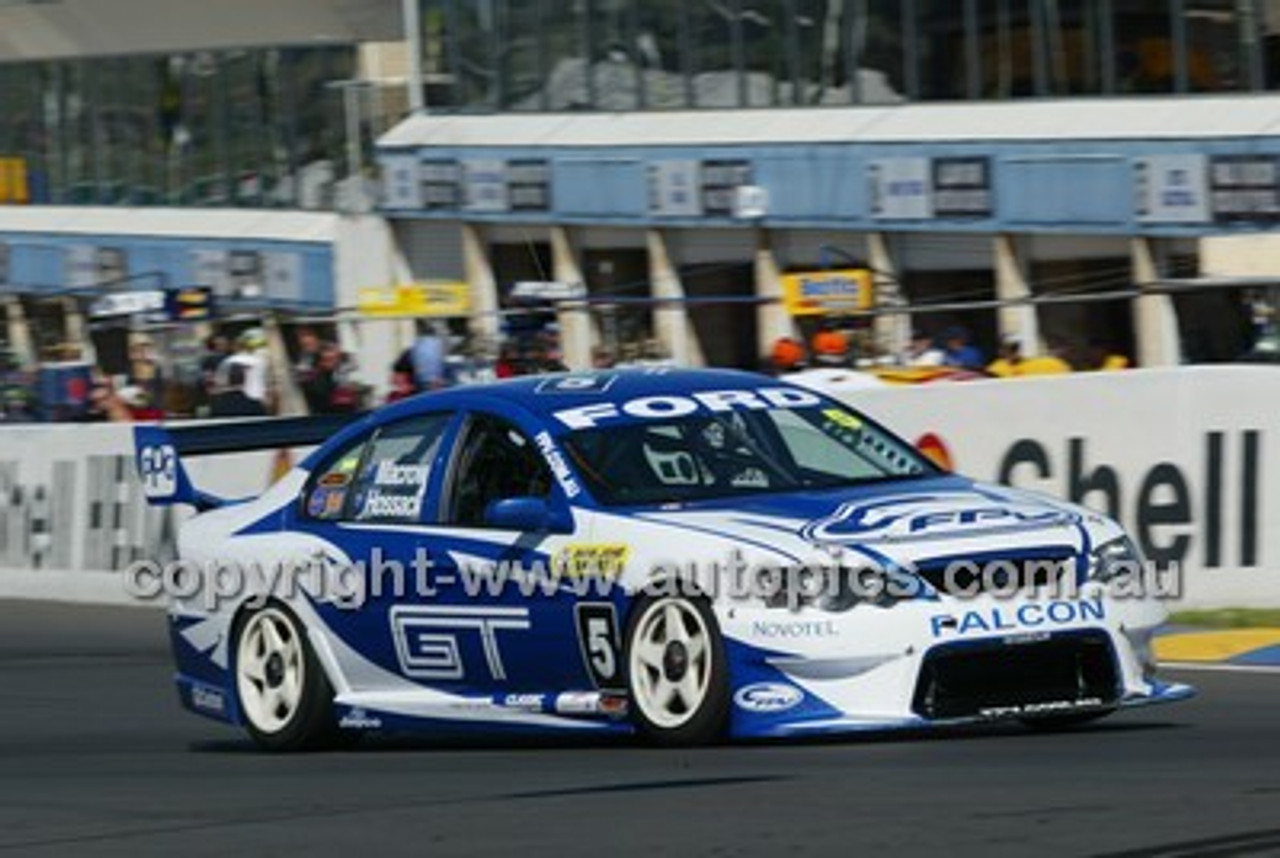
(285,698)
(676,671)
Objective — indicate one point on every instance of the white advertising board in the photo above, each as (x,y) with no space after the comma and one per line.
(1186,458)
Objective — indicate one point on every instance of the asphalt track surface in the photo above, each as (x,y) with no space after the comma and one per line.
(97,758)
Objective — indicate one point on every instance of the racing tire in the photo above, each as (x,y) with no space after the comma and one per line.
(1054,723)
(284,696)
(677,674)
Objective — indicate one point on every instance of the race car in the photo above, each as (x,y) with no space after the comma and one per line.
(685,554)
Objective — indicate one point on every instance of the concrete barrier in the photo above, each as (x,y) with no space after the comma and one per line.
(72,513)
(1184,457)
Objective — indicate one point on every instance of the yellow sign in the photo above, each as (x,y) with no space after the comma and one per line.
(13,181)
(415,299)
(816,293)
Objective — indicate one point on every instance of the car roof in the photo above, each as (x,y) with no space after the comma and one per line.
(542,395)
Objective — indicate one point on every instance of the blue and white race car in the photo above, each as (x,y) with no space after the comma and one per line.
(686,554)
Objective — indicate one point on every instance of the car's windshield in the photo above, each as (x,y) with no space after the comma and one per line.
(740,452)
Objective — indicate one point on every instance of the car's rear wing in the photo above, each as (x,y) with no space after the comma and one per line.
(160,448)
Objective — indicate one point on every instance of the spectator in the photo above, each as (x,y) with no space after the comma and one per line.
(232,398)
(427,361)
(507,365)
(1009,359)
(601,357)
(788,355)
(830,348)
(105,405)
(922,352)
(144,370)
(245,374)
(138,404)
(1011,363)
(217,349)
(402,386)
(958,351)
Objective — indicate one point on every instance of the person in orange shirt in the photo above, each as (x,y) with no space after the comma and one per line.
(788,355)
(830,348)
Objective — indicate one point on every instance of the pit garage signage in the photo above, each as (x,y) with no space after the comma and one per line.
(401,182)
(441,186)
(720,181)
(1171,189)
(1245,187)
(962,187)
(437,300)
(817,293)
(899,188)
(673,189)
(484,185)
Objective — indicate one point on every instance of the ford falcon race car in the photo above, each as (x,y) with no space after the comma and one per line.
(684,554)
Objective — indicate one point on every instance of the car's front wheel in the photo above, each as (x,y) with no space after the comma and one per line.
(285,698)
(676,671)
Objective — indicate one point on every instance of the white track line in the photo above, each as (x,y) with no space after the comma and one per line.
(1215,666)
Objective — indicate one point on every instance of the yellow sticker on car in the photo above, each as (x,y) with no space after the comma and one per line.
(840,417)
(602,559)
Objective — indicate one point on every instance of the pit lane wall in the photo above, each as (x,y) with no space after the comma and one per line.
(1186,458)
(73,515)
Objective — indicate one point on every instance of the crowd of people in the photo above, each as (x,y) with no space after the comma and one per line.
(953,348)
(232,375)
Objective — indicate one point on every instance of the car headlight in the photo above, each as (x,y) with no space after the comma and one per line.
(1117,558)
(833,588)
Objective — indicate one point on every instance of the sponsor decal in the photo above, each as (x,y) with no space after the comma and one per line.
(158,465)
(525,702)
(768,697)
(555,460)
(1009,618)
(843,419)
(668,407)
(1049,707)
(930,516)
(607,559)
(594,382)
(794,630)
(429,641)
(1167,519)
(208,699)
(359,719)
(333,502)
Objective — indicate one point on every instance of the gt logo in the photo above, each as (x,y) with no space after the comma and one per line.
(158,465)
(427,638)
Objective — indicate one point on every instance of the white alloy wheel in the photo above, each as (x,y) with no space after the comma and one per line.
(271,670)
(675,670)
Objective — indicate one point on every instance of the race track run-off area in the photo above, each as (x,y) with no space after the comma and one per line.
(97,758)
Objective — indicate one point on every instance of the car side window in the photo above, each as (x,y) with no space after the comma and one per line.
(383,479)
(495,461)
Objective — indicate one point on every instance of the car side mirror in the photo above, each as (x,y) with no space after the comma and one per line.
(521,513)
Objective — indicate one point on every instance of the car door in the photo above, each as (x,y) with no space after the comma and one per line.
(373,502)
(555,633)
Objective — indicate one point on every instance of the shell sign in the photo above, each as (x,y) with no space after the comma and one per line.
(817,293)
